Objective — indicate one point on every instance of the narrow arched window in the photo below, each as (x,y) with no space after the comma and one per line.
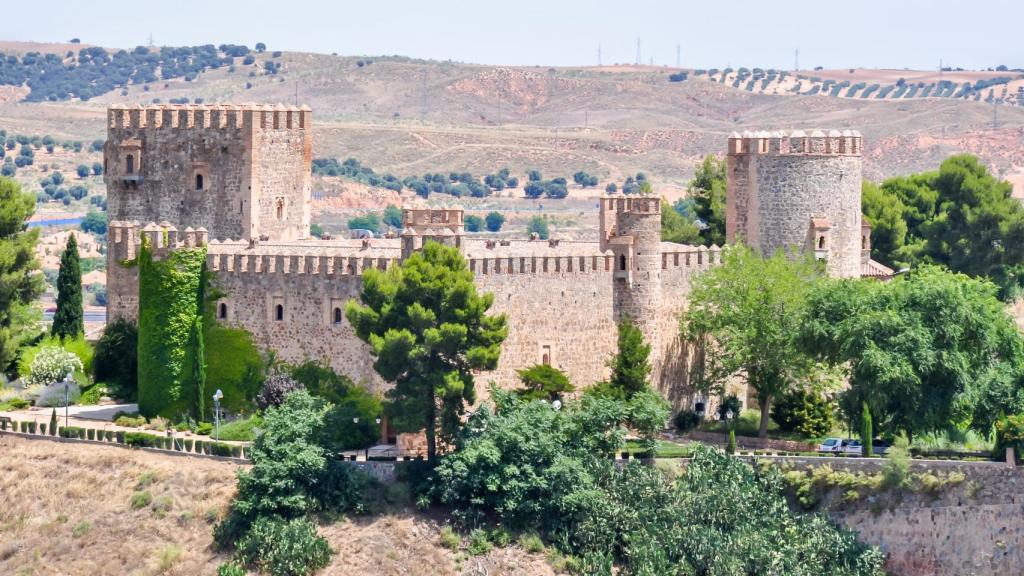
(129,167)
(546,360)
(337,315)
(863,242)
(199,181)
(622,262)
(280,208)
(279,312)
(821,242)
(222,311)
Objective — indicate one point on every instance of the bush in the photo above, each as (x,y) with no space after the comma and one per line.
(806,412)
(115,363)
(284,547)
(243,430)
(129,420)
(450,539)
(204,428)
(1009,434)
(141,499)
(275,389)
(51,364)
(478,542)
(141,440)
(686,420)
(230,569)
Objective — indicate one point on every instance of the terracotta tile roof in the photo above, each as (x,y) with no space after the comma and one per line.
(820,223)
(874,269)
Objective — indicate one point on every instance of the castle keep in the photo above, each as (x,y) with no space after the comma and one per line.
(237,180)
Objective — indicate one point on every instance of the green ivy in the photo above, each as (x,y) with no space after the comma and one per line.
(170,293)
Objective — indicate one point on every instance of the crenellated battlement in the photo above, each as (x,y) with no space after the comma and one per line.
(210,116)
(797,142)
(296,264)
(126,238)
(692,257)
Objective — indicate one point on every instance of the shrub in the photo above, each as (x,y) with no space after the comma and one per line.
(284,547)
(220,449)
(115,360)
(450,539)
(1010,434)
(242,430)
(188,444)
(141,499)
(230,569)
(275,389)
(806,412)
(90,433)
(92,395)
(204,428)
(80,529)
(686,420)
(129,421)
(896,470)
(531,542)
(119,436)
(162,505)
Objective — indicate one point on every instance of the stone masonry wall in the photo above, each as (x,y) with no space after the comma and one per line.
(792,189)
(973,528)
(282,158)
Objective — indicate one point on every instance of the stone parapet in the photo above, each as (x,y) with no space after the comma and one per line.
(797,142)
(212,116)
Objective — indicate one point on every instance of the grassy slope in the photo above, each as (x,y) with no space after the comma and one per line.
(67,510)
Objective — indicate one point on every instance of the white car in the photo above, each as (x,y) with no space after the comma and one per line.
(832,445)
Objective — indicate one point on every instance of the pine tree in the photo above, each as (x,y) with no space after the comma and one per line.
(67,321)
(18,268)
(631,366)
(866,433)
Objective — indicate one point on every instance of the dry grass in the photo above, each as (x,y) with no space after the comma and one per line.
(67,509)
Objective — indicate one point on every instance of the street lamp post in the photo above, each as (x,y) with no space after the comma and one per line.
(217,396)
(727,416)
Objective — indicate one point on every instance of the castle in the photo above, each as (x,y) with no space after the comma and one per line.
(236,178)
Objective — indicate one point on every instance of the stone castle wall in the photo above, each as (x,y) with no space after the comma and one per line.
(779,182)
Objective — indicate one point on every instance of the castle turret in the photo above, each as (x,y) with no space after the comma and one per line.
(420,224)
(797,192)
(631,230)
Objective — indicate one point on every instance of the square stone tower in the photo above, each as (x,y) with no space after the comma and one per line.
(239,171)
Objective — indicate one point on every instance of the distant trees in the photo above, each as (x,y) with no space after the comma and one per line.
(369,222)
(97,169)
(261,47)
(83,171)
(533,175)
(392,216)
(316,230)
(94,223)
(473,223)
(584,180)
(494,221)
(677,228)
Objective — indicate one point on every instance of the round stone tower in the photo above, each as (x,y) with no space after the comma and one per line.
(797,192)
(631,230)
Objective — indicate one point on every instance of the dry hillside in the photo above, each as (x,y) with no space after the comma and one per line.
(411,116)
(68,510)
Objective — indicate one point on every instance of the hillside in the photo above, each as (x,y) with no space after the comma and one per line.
(73,511)
(408,117)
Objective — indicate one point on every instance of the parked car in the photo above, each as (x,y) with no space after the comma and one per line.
(880,447)
(854,447)
(832,445)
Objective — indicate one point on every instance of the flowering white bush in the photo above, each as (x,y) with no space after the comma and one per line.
(51,365)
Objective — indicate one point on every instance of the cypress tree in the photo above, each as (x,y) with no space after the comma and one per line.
(866,433)
(67,321)
(631,366)
(53,422)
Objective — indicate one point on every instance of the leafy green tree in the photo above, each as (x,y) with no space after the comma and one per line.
(708,188)
(538,225)
(916,348)
(83,171)
(115,362)
(473,223)
(494,221)
(676,228)
(316,230)
(888,228)
(19,269)
(261,47)
(542,381)
(749,310)
(428,329)
(611,188)
(68,320)
(349,401)
(392,216)
(532,175)
(97,169)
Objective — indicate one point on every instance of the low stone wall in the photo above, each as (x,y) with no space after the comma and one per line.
(750,443)
(973,528)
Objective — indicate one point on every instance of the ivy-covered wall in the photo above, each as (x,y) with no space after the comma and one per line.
(171,293)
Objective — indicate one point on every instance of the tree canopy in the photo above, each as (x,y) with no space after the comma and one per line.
(677,228)
(708,189)
(749,311)
(428,330)
(960,216)
(919,349)
(21,283)
(542,381)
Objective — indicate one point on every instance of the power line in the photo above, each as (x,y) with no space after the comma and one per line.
(598,54)
(637,50)
(796,60)
(679,57)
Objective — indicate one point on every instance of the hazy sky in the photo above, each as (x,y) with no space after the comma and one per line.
(762,33)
